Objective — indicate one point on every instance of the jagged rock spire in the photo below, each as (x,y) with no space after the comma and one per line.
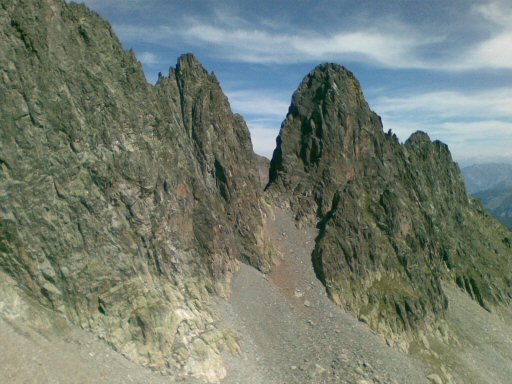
(395,220)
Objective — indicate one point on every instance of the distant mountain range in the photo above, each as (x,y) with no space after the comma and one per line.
(484,177)
(492,185)
(499,202)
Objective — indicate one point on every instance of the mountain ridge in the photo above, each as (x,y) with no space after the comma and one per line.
(126,208)
(377,204)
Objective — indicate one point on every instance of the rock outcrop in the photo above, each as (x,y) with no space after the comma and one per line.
(394,220)
(123,206)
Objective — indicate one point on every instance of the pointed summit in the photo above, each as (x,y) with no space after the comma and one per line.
(145,196)
(329,84)
(418,137)
(394,220)
(329,125)
(188,58)
(189,63)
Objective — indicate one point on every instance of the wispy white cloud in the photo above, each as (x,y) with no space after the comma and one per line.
(267,104)
(148,58)
(474,124)
(263,140)
(476,140)
(497,12)
(494,51)
(392,44)
(264,110)
(260,46)
(143,33)
(389,43)
(125,5)
(445,104)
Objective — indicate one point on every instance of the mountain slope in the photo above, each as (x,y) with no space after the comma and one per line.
(394,220)
(123,206)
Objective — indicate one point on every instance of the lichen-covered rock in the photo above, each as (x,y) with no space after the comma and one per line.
(394,220)
(123,205)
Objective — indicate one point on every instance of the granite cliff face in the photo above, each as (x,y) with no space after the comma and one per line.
(394,220)
(123,206)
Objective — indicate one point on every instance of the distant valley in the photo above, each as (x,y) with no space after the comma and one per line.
(492,184)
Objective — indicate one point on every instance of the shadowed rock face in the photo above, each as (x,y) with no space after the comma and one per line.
(394,220)
(121,204)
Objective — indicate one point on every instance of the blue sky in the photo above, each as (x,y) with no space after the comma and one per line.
(444,67)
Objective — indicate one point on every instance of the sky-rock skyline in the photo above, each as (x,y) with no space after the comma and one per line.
(441,67)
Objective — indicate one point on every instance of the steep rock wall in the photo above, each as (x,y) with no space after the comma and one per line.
(123,206)
(394,220)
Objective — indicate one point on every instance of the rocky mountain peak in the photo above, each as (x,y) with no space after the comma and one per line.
(327,135)
(420,143)
(419,138)
(189,61)
(125,205)
(189,69)
(329,84)
(394,219)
